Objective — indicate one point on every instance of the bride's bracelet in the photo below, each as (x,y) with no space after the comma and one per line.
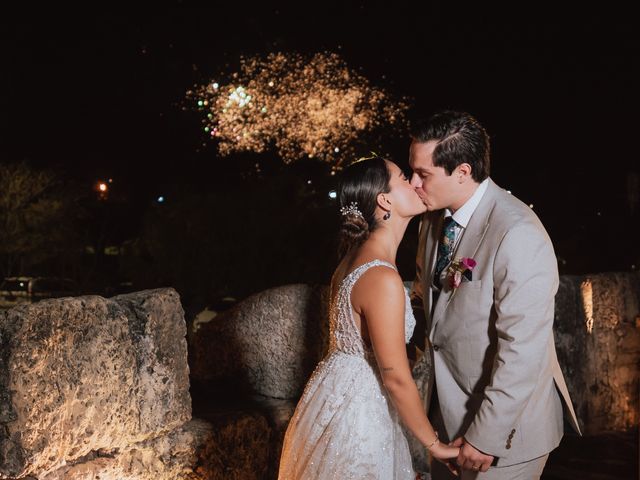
(430,446)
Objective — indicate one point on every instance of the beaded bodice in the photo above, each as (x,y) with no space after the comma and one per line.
(344,334)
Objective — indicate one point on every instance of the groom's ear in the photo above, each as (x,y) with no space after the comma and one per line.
(463,172)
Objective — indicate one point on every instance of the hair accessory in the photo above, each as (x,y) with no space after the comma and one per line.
(352,209)
(361,159)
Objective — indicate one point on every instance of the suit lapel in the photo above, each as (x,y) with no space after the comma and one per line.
(431,244)
(469,243)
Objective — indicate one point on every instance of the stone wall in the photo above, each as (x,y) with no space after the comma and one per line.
(597,331)
(269,345)
(99,388)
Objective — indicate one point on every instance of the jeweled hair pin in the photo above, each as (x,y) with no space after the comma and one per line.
(352,209)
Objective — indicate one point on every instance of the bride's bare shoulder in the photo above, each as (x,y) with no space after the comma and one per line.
(378,283)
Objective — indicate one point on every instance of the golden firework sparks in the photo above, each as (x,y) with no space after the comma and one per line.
(314,107)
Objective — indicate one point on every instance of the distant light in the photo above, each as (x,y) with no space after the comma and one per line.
(336,149)
(333,194)
(200,103)
(599,214)
(271,83)
(160,199)
(102,187)
(111,180)
(22,284)
(633,267)
(215,85)
(308,182)
(587,302)
(531,205)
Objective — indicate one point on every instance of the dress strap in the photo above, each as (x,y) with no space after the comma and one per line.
(358,272)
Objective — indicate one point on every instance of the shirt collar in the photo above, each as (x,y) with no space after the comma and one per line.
(464,213)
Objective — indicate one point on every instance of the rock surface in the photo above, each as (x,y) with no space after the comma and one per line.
(597,332)
(87,374)
(268,344)
(235,447)
(175,455)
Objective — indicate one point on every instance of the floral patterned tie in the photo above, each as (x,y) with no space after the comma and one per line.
(445,248)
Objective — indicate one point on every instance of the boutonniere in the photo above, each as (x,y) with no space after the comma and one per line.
(459,269)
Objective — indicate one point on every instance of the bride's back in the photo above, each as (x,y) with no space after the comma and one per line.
(348,327)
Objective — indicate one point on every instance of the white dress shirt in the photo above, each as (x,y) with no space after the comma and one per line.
(464,213)
(462,217)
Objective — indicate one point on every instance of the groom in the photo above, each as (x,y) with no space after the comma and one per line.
(498,391)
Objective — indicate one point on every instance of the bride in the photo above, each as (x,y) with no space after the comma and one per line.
(346,425)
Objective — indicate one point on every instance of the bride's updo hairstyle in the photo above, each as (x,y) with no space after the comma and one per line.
(360,184)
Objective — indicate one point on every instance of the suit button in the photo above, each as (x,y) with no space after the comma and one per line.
(436,347)
(513,431)
(508,446)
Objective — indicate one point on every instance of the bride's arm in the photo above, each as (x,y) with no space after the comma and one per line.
(379,297)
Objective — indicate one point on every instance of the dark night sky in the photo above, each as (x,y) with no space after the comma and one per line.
(97,95)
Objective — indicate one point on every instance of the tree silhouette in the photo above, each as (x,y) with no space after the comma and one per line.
(35,219)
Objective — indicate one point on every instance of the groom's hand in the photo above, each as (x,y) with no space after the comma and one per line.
(471,458)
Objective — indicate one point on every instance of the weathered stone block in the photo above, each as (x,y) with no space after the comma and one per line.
(173,456)
(598,343)
(79,375)
(268,344)
(236,447)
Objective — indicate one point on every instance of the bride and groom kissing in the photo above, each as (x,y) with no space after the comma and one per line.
(480,316)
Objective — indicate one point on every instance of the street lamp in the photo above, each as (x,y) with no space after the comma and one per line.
(103,189)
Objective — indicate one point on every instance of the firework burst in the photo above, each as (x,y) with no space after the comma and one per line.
(315,107)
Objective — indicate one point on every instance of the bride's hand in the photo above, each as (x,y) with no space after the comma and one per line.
(443,452)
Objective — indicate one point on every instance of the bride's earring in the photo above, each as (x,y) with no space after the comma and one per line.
(386,216)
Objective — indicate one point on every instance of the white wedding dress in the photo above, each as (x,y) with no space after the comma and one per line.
(345,426)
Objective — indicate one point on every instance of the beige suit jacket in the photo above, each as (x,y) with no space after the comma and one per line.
(491,340)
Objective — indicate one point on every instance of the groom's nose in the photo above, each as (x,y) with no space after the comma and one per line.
(416,181)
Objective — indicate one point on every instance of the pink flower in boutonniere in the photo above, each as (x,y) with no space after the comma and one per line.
(461,267)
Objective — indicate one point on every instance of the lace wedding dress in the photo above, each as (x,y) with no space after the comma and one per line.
(345,426)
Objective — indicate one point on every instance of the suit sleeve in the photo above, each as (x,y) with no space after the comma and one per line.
(525,283)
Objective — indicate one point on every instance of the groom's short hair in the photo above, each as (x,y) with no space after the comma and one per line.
(461,139)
